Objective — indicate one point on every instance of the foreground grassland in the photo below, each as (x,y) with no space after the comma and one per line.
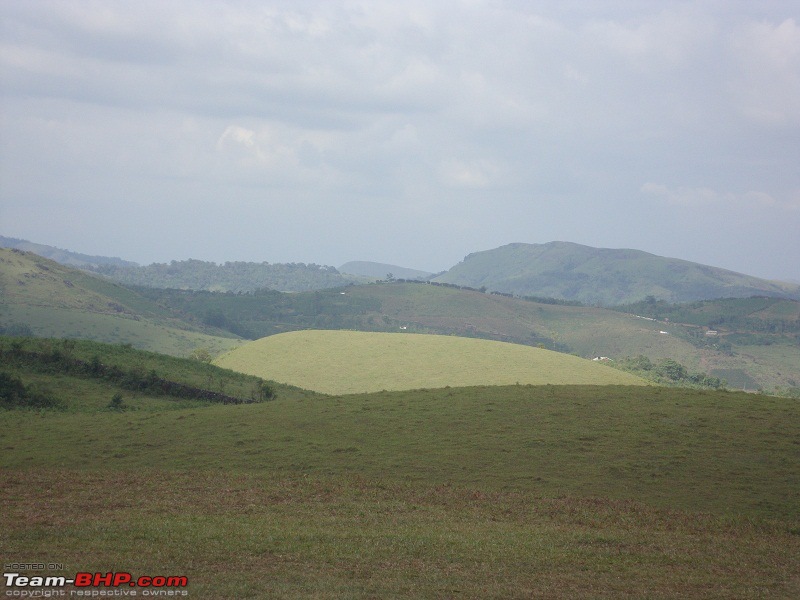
(675,448)
(482,492)
(515,492)
(254,535)
(341,362)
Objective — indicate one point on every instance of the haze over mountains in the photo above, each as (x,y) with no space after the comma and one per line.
(750,343)
(65,257)
(603,276)
(560,270)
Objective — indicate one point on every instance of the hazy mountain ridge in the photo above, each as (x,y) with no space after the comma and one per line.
(378,270)
(231,276)
(603,276)
(756,344)
(64,257)
(560,270)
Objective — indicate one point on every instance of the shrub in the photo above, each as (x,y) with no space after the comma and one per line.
(15,394)
(116,403)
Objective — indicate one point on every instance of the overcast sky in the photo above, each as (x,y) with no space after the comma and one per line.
(411,133)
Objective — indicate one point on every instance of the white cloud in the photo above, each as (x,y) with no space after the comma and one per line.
(668,39)
(768,82)
(479,173)
(704,196)
(377,105)
(684,196)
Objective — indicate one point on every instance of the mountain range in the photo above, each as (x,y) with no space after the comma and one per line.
(751,343)
(603,276)
(559,270)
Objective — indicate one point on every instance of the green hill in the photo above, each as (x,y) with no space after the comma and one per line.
(603,276)
(762,357)
(756,346)
(340,362)
(83,376)
(43,298)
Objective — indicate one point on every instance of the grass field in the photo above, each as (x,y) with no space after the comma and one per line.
(674,448)
(249,535)
(340,362)
(520,491)
(484,492)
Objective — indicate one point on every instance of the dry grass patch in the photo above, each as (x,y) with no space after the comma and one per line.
(255,536)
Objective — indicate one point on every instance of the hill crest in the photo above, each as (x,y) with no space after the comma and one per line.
(603,276)
(365,268)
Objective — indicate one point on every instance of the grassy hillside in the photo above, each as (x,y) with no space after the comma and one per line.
(51,300)
(84,375)
(756,347)
(603,276)
(757,314)
(725,452)
(744,361)
(486,492)
(339,362)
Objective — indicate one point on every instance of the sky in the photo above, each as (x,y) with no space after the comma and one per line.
(411,133)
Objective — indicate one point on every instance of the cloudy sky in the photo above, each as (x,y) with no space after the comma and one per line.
(411,133)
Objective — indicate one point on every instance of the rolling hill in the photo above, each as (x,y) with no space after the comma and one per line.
(759,351)
(48,299)
(756,346)
(603,276)
(341,362)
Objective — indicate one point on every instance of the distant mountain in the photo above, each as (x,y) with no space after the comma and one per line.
(603,276)
(380,270)
(64,257)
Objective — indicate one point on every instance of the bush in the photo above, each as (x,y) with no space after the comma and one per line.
(116,403)
(15,394)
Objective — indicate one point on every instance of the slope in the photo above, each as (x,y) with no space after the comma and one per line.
(47,299)
(65,257)
(340,362)
(603,276)
(766,361)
